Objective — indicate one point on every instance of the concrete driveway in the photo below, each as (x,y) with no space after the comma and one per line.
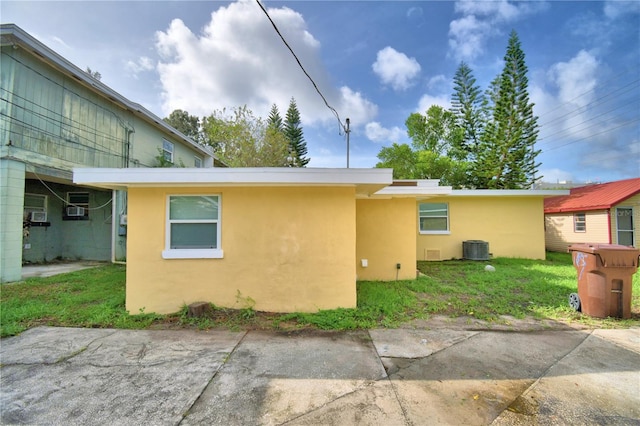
(377,377)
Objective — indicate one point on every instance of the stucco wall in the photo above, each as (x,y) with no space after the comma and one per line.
(288,249)
(385,236)
(513,226)
(560,234)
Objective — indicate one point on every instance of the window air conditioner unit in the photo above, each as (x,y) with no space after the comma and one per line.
(38,216)
(73,211)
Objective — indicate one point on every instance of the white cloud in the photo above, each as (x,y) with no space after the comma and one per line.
(142,64)
(223,67)
(556,175)
(567,111)
(438,82)
(482,20)
(395,68)
(376,133)
(576,78)
(357,108)
(60,41)
(614,9)
(428,100)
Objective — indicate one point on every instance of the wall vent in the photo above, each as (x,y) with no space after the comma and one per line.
(432,254)
(475,250)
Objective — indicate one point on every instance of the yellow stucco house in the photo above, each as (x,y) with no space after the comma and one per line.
(299,239)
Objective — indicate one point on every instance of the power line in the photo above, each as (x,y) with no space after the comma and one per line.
(580,109)
(592,135)
(301,66)
(570,101)
(545,138)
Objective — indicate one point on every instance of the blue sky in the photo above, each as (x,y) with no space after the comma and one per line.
(376,62)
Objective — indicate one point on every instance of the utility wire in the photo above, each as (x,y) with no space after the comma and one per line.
(301,66)
(592,135)
(570,101)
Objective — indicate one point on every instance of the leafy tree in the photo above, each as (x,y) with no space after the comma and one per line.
(434,152)
(401,158)
(467,104)
(188,125)
(507,158)
(293,133)
(436,131)
(242,140)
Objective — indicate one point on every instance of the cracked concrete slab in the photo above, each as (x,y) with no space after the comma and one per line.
(597,383)
(473,381)
(405,343)
(123,377)
(273,378)
(48,345)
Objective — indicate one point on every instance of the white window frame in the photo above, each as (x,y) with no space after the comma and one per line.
(197,162)
(30,209)
(433,232)
(579,222)
(169,253)
(632,230)
(168,149)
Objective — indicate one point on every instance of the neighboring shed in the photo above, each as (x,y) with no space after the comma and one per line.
(603,213)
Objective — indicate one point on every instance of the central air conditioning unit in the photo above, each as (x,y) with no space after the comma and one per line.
(475,250)
(38,216)
(73,211)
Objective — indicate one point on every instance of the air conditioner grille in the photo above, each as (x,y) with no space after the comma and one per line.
(475,250)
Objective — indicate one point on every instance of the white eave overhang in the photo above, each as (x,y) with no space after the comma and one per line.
(507,192)
(412,192)
(366,181)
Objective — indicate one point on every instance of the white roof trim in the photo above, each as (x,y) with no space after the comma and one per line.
(258,176)
(413,191)
(507,192)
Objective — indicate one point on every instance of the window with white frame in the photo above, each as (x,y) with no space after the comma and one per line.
(579,222)
(77,205)
(197,162)
(434,218)
(35,207)
(167,150)
(193,227)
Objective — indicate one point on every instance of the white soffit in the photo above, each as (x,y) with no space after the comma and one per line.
(366,181)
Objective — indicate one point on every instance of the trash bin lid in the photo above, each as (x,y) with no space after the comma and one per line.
(611,255)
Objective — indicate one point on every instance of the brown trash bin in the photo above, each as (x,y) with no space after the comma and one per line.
(605,274)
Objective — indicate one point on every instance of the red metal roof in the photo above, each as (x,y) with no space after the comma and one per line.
(593,197)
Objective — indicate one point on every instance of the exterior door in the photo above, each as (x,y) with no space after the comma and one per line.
(625,226)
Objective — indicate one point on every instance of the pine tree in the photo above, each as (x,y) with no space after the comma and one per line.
(275,120)
(467,105)
(293,133)
(507,158)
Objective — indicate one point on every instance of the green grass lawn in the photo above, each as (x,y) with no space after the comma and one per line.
(518,288)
